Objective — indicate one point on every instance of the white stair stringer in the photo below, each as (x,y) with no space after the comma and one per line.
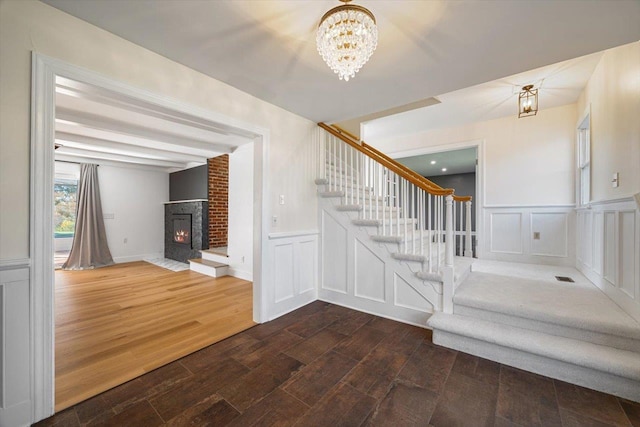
(387,301)
(599,367)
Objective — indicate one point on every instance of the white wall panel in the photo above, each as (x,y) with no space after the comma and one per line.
(293,263)
(553,234)
(361,274)
(283,271)
(307,259)
(406,296)
(587,236)
(369,274)
(15,397)
(509,234)
(615,245)
(627,253)
(334,255)
(506,232)
(610,247)
(597,242)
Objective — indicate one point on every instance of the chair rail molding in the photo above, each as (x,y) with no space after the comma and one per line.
(44,72)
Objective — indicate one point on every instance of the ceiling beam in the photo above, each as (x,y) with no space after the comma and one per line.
(88,154)
(153,137)
(93,93)
(71,140)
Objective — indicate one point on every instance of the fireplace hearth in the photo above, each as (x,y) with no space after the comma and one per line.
(186,229)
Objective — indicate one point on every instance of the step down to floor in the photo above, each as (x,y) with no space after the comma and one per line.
(607,369)
(209,268)
(571,311)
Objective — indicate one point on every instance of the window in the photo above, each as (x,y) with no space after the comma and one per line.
(64,198)
(584,162)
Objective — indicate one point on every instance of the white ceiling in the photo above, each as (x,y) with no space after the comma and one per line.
(426,48)
(558,84)
(98,126)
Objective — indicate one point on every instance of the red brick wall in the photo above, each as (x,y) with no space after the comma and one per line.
(218,200)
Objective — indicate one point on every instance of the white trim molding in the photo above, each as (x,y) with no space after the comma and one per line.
(13,264)
(287,234)
(45,70)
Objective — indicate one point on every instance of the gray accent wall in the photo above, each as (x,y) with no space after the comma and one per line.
(464,184)
(189,184)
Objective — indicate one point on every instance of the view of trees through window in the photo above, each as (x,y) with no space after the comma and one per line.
(64,197)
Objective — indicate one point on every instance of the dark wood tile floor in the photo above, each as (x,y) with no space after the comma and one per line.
(325,365)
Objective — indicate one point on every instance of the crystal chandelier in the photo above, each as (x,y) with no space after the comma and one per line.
(347,36)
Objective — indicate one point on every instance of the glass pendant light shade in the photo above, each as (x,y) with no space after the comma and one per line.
(346,38)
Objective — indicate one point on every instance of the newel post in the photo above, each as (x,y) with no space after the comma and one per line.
(468,249)
(448,232)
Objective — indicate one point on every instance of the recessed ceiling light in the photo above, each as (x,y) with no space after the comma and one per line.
(433,162)
(444,169)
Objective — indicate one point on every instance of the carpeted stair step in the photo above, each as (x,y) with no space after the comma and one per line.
(604,368)
(566,311)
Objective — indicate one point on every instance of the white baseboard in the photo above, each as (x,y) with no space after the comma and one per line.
(141,257)
(240,274)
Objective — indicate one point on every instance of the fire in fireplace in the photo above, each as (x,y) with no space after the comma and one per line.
(182,229)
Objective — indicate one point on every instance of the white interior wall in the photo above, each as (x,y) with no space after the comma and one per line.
(527,178)
(133,210)
(608,230)
(30,25)
(613,96)
(528,161)
(240,231)
(132,206)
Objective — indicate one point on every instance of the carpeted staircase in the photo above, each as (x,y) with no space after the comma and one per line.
(572,332)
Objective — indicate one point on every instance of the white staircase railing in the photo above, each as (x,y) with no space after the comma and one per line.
(428,223)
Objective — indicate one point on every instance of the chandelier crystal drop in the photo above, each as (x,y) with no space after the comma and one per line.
(347,36)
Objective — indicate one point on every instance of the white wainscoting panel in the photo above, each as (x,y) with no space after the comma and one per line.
(552,228)
(369,270)
(334,262)
(627,254)
(510,234)
(406,296)
(308,259)
(610,239)
(597,242)
(294,277)
(506,232)
(15,389)
(361,274)
(283,271)
(614,241)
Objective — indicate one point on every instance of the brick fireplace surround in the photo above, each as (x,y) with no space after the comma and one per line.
(218,200)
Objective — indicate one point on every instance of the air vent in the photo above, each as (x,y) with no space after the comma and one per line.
(564,279)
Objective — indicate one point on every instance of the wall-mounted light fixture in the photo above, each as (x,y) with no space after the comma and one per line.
(528,101)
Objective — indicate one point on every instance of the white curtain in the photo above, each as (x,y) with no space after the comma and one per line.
(89,249)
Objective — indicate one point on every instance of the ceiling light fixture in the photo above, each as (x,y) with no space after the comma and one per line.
(528,101)
(444,169)
(346,38)
(433,162)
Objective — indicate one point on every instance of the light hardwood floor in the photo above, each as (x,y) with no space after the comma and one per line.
(116,323)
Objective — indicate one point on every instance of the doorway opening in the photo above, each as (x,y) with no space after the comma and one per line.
(81,88)
(456,167)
